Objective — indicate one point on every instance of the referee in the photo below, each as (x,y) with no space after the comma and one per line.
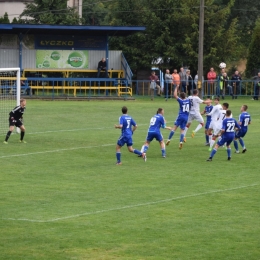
(16,119)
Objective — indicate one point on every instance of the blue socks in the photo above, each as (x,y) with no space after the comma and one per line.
(236,145)
(163,152)
(118,157)
(229,152)
(171,135)
(242,142)
(181,137)
(137,152)
(213,152)
(145,148)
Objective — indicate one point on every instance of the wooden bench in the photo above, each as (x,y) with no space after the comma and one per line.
(68,73)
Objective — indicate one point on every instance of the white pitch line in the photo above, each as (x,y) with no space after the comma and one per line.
(130,206)
(54,151)
(61,150)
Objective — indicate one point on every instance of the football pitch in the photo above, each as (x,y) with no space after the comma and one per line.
(63,197)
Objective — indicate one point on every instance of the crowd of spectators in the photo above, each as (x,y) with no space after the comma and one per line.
(218,85)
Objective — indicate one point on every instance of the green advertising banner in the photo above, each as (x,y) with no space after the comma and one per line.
(61,59)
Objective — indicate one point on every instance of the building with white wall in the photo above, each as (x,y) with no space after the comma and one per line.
(15,7)
(12,7)
(77,4)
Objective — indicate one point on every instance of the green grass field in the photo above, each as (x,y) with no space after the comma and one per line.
(63,197)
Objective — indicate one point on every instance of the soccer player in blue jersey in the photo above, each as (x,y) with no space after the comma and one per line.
(156,122)
(244,120)
(127,126)
(182,118)
(227,135)
(206,111)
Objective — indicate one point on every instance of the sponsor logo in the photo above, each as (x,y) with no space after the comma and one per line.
(75,59)
(55,55)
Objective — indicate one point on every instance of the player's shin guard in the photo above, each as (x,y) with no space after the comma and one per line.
(213,152)
(118,157)
(229,152)
(142,149)
(236,145)
(198,127)
(22,135)
(181,138)
(171,135)
(7,135)
(241,141)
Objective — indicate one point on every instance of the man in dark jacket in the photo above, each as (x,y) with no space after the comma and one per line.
(235,80)
(102,65)
(256,86)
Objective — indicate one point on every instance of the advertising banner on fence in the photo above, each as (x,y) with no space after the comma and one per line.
(61,59)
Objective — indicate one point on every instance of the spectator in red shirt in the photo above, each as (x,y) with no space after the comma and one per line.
(211,77)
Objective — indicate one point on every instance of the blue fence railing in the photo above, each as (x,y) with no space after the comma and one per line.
(126,67)
(109,86)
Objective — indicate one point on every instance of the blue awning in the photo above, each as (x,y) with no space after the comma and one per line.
(69,29)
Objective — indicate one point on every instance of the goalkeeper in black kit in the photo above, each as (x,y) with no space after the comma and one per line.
(16,119)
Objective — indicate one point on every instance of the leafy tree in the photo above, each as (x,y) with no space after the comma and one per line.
(247,12)
(49,12)
(5,18)
(253,61)
(94,12)
(131,13)
(172,32)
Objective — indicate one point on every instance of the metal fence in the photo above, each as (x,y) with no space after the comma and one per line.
(109,87)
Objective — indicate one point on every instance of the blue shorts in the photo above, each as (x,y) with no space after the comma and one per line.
(181,122)
(125,140)
(207,125)
(226,139)
(240,133)
(152,135)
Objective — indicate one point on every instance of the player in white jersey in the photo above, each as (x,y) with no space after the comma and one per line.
(195,114)
(214,120)
(218,124)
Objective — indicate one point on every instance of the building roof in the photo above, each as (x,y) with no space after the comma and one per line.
(69,29)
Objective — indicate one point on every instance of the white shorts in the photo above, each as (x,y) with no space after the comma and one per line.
(196,117)
(215,126)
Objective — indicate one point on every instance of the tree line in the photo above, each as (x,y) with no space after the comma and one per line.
(232,29)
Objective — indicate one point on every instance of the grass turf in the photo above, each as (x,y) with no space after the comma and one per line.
(63,197)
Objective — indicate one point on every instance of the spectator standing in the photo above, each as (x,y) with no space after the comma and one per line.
(189,82)
(176,79)
(196,79)
(211,77)
(223,84)
(167,84)
(236,79)
(154,84)
(183,79)
(256,86)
